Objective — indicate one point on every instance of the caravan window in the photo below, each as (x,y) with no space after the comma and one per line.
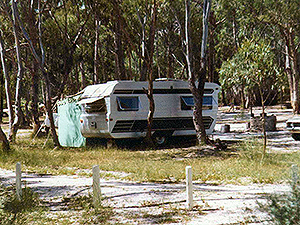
(187,102)
(98,106)
(128,103)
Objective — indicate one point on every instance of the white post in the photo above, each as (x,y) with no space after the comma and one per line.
(18,181)
(96,186)
(189,188)
(294,174)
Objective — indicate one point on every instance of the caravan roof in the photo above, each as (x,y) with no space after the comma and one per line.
(93,93)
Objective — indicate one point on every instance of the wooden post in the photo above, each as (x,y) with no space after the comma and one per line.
(96,186)
(189,188)
(18,181)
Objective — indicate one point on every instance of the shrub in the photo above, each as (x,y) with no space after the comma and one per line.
(284,209)
(12,209)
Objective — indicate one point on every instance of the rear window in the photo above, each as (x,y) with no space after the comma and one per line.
(96,107)
(128,103)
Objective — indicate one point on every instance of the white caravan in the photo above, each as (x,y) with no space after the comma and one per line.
(119,109)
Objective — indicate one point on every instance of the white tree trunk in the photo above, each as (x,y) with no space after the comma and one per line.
(17,119)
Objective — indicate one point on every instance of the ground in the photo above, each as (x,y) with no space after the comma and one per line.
(152,203)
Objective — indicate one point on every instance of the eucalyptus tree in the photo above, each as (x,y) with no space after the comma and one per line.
(29,12)
(254,65)
(40,59)
(197,76)
(67,20)
(6,80)
(17,107)
(285,16)
(237,21)
(3,138)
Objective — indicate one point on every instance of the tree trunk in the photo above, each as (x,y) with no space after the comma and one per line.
(18,114)
(96,51)
(3,138)
(35,98)
(263,122)
(119,52)
(30,16)
(151,110)
(7,83)
(48,106)
(197,91)
(149,60)
(292,68)
(211,56)
(143,64)
(83,77)
(5,142)
(170,70)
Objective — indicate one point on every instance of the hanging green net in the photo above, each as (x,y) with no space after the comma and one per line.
(69,134)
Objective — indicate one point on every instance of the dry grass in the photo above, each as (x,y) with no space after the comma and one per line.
(240,164)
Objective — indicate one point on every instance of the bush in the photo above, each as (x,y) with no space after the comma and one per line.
(284,209)
(12,209)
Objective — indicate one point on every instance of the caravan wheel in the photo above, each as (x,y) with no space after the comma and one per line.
(160,140)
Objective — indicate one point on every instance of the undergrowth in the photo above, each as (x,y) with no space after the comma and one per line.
(14,210)
(283,209)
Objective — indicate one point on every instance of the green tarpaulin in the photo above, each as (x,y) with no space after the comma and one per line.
(69,134)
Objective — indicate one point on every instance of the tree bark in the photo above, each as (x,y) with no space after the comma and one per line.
(263,121)
(7,83)
(18,114)
(292,67)
(200,77)
(5,142)
(49,109)
(119,51)
(96,51)
(149,60)
(3,138)
(33,33)
(83,77)
(143,64)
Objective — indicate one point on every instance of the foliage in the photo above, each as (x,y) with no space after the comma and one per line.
(252,66)
(284,209)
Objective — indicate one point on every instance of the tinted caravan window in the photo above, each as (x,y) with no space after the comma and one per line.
(128,103)
(187,102)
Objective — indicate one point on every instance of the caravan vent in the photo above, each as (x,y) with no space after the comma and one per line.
(159,124)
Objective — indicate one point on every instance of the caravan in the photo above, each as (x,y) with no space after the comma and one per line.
(119,109)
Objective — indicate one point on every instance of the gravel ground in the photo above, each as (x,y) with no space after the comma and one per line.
(215,205)
(222,204)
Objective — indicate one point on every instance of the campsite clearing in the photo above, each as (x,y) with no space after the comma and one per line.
(147,186)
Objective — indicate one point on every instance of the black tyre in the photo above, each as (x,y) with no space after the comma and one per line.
(296,136)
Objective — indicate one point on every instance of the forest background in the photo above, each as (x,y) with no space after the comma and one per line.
(55,48)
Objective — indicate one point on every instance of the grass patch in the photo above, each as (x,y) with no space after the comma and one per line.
(16,211)
(241,163)
(30,210)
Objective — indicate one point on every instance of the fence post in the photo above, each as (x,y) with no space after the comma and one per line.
(189,188)
(18,181)
(96,186)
